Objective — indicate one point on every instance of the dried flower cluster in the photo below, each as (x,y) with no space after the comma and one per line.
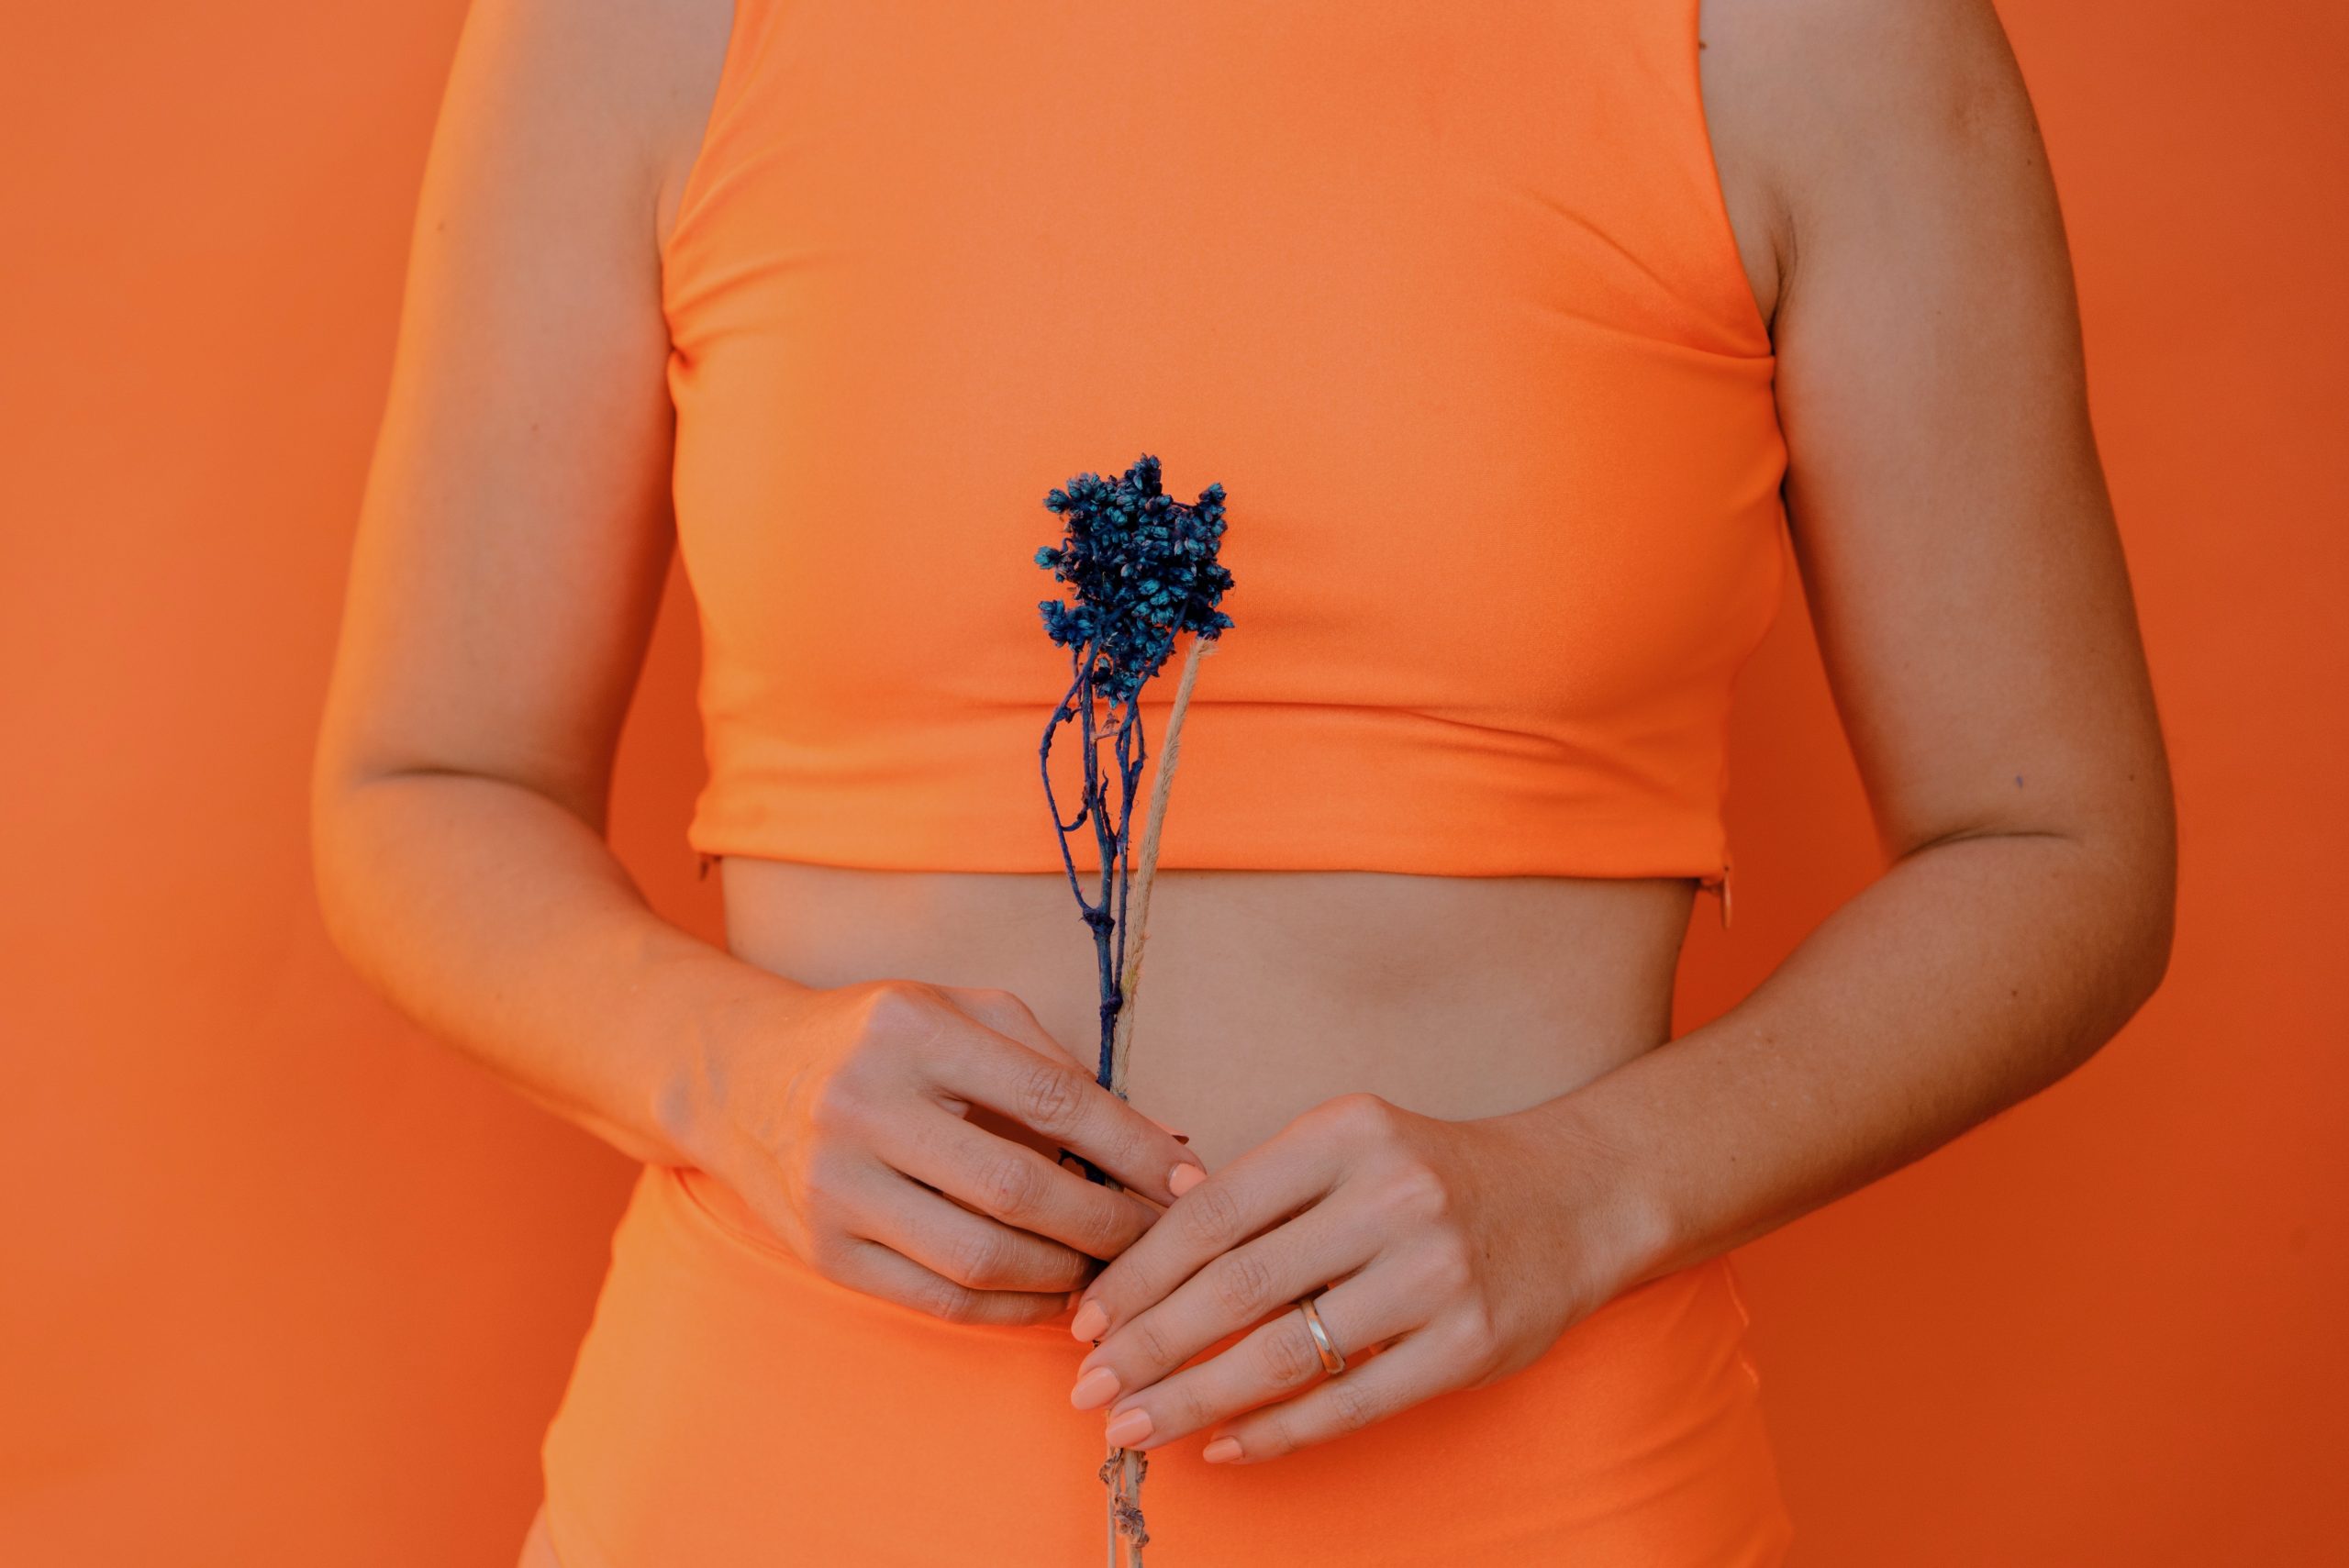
(1144,569)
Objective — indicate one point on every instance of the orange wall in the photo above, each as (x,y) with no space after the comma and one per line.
(286,1283)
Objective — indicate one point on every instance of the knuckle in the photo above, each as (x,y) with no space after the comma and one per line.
(1192,1409)
(978,1259)
(831,1171)
(837,1105)
(831,1252)
(1105,1226)
(1413,1191)
(1048,1097)
(1210,1216)
(1350,1408)
(822,1208)
(894,1027)
(1043,1310)
(1448,1269)
(1478,1338)
(1070,1270)
(1243,1285)
(1149,1341)
(1360,1113)
(1011,1187)
(1288,1356)
(950,1302)
(890,1011)
(997,1005)
(989,1005)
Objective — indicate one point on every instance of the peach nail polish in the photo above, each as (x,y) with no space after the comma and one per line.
(1183,1178)
(1224,1450)
(1128,1427)
(1095,1388)
(1089,1321)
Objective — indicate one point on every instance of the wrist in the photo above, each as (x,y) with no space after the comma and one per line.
(1607,1208)
(739,1029)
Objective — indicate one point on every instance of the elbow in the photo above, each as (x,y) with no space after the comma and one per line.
(325,890)
(329,796)
(2152,932)
(2141,899)
(2149,952)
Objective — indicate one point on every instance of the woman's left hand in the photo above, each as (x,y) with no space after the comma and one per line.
(1466,1246)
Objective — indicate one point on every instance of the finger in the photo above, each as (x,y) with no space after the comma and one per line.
(1264,1186)
(1244,1287)
(878,1271)
(1062,1102)
(1005,1013)
(1012,1182)
(1417,1369)
(1276,1360)
(1008,1015)
(969,1249)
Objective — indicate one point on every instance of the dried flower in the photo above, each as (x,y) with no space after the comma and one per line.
(1145,570)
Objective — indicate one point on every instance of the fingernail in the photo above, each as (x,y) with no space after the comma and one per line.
(1089,1321)
(1128,1427)
(1224,1450)
(1183,1178)
(1096,1388)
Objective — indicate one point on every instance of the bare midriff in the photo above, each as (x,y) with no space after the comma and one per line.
(1266,993)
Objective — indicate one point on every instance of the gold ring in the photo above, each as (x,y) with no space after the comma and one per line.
(1332,1362)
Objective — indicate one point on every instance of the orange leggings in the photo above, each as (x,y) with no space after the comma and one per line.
(730,1407)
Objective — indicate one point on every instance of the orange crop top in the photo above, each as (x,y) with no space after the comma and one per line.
(1447,298)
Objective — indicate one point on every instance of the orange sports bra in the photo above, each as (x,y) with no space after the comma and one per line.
(1446,299)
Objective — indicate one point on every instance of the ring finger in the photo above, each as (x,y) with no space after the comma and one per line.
(1012,1182)
(890,1275)
(969,1248)
(1232,1292)
(1278,1359)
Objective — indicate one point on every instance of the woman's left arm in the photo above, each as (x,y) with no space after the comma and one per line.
(1972,608)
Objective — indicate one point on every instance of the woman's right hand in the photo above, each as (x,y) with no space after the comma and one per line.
(849,1119)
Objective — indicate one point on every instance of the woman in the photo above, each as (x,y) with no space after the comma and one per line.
(1501,335)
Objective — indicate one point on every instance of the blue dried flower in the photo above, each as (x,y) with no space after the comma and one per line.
(1145,570)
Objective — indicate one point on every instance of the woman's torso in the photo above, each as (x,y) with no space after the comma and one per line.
(1594,362)
(1267,990)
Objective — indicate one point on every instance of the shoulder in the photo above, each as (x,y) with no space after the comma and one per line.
(614,90)
(1838,121)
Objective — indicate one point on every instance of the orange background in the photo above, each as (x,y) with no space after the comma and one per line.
(286,1282)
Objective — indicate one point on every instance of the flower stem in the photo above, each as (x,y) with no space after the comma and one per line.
(1125,1491)
(1146,869)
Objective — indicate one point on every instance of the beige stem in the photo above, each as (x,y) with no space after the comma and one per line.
(1121,1039)
(1138,928)
(1133,1494)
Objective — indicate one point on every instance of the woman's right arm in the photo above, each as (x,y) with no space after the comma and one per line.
(511,549)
